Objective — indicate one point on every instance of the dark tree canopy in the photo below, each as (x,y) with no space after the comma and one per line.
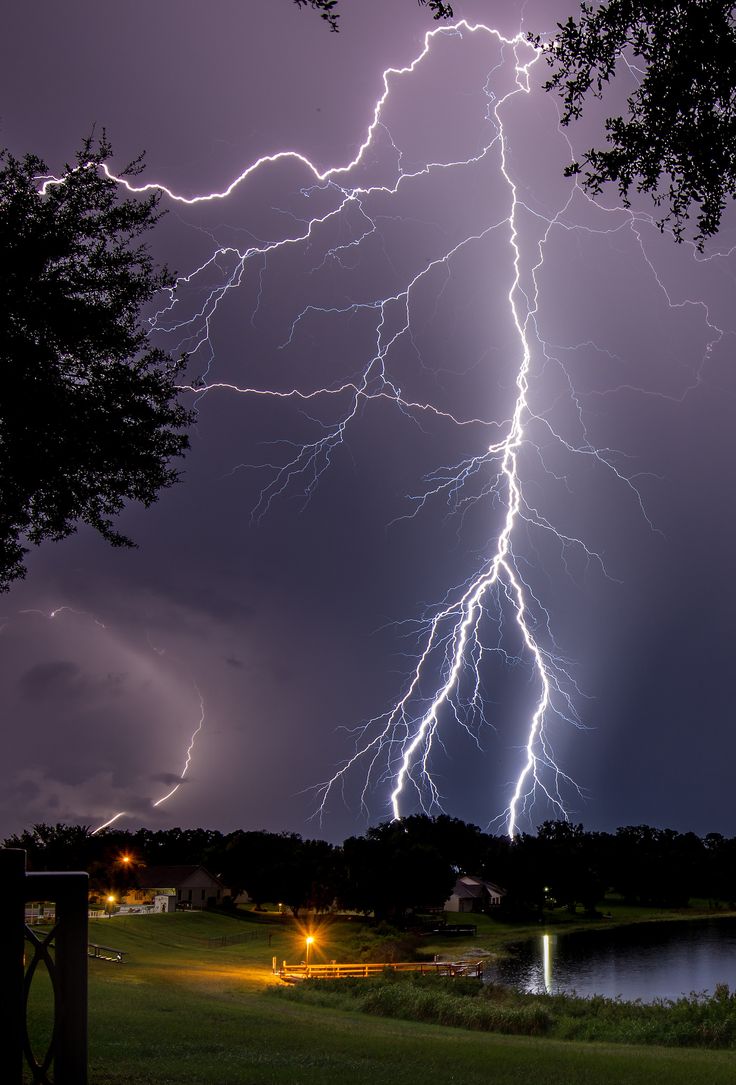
(396,868)
(89,418)
(678,142)
(407,866)
(327,11)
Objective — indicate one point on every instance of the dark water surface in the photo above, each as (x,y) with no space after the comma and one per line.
(648,961)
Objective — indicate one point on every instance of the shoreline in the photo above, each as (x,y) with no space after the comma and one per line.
(494,938)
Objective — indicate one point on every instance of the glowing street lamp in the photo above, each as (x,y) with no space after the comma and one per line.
(110,899)
(310,940)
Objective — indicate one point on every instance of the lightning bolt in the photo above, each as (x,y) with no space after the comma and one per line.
(182,775)
(455,629)
(496,613)
(190,748)
(61,610)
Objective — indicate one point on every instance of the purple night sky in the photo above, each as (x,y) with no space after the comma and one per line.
(298,625)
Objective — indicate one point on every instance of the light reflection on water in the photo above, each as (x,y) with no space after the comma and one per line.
(647,961)
(547,943)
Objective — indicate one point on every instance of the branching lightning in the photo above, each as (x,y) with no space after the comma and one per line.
(474,622)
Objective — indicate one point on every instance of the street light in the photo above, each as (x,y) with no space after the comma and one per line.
(110,901)
(310,940)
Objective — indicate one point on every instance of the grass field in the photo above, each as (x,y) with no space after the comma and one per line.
(179,1012)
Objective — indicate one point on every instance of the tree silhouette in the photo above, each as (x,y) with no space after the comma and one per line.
(88,419)
(678,141)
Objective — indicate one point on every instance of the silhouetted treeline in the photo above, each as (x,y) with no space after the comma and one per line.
(406,866)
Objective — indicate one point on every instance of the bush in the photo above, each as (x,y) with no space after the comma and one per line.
(697,1020)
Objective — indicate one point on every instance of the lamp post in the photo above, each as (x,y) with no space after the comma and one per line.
(110,901)
(310,940)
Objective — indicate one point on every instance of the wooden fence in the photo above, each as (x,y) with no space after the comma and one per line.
(291,973)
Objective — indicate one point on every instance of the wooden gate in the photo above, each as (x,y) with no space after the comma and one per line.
(63,952)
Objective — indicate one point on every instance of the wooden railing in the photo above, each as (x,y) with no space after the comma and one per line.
(293,972)
(105,953)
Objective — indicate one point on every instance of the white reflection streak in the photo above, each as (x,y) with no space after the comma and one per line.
(547,962)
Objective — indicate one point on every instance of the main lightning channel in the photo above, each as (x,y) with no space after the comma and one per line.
(455,628)
(398,745)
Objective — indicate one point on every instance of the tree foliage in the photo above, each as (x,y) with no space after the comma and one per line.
(280,867)
(396,868)
(678,142)
(326,8)
(54,847)
(89,419)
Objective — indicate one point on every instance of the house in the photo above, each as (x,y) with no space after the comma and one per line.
(186,886)
(474,895)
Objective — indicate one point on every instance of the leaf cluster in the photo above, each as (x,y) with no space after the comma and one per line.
(678,142)
(327,11)
(89,418)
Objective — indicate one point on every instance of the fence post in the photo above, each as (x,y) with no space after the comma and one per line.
(12,938)
(70,1064)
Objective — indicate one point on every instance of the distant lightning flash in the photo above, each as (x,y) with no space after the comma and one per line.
(188,757)
(183,774)
(396,748)
(51,615)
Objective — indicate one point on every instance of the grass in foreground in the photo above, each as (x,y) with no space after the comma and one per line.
(170,1037)
(179,1013)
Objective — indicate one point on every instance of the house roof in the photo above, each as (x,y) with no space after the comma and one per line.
(470,887)
(174,877)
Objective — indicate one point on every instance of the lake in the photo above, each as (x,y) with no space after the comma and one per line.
(646,961)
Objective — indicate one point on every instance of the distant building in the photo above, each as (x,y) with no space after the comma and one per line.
(189,886)
(474,895)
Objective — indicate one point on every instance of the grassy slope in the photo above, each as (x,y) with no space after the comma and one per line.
(177,1012)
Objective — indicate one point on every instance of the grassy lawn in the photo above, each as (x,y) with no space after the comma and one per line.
(179,1012)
